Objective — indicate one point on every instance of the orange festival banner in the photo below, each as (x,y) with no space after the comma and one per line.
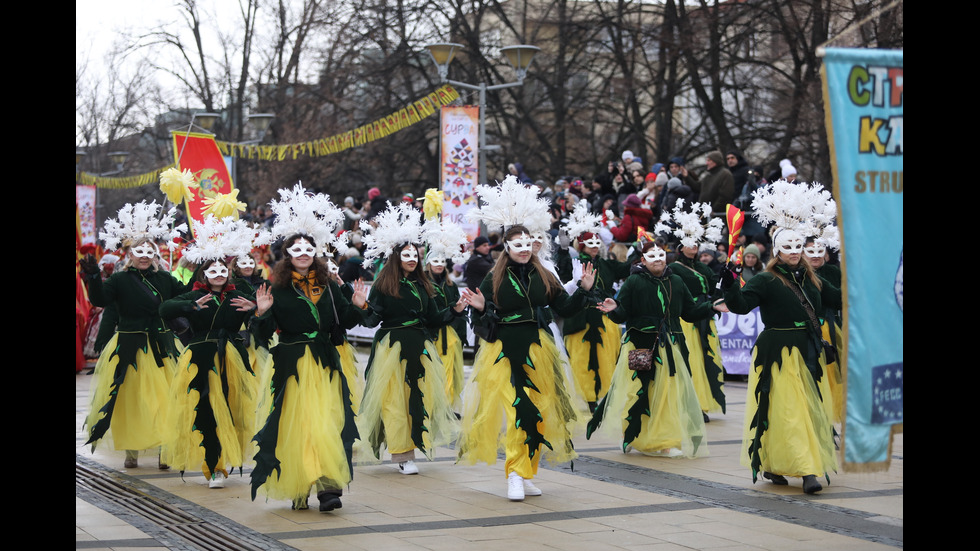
(199,153)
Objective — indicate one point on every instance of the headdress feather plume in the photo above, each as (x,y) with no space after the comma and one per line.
(806,208)
(693,228)
(303,212)
(396,225)
(581,221)
(508,204)
(134,222)
(219,238)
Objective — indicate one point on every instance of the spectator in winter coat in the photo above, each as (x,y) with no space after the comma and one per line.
(634,215)
(718,184)
(739,168)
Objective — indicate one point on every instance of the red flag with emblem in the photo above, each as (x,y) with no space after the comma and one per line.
(199,154)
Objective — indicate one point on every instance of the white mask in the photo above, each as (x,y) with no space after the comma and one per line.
(593,242)
(333,268)
(216,270)
(654,254)
(788,242)
(409,254)
(520,244)
(144,250)
(815,251)
(301,247)
(437,261)
(538,237)
(246,262)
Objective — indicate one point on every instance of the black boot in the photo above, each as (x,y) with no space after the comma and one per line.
(811,485)
(329,500)
(777,479)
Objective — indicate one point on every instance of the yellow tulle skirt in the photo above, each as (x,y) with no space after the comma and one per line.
(489,420)
(696,359)
(799,437)
(452,360)
(234,413)
(355,381)
(309,445)
(674,419)
(140,415)
(384,411)
(607,353)
(834,375)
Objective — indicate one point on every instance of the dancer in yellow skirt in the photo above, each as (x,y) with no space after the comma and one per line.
(448,341)
(815,251)
(405,405)
(788,416)
(129,396)
(695,228)
(592,340)
(654,410)
(306,438)
(213,393)
(518,399)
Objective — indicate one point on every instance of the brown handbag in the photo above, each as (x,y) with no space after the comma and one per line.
(641,359)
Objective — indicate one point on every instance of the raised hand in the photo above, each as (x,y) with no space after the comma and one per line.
(88,264)
(360,293)
(588,276)
(263,299)
(473,298)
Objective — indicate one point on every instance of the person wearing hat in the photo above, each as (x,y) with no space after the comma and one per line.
(351,214)
(377,202)
(718,184)
(787,171)
(634,216)
(751,262)
(677,168)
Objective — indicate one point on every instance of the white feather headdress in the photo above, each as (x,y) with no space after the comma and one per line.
(694,228)
(302,212)
(219,238)
(581,221)
(445,240)
(508,204)
(139,221)
(396,225)
(805,208)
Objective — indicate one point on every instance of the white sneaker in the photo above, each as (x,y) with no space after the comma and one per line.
(217,481)
(515,487)
(408,467)
(530,489)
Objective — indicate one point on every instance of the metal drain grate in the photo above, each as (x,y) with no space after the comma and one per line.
(196,532)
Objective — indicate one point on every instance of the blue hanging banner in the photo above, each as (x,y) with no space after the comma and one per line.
(864,96)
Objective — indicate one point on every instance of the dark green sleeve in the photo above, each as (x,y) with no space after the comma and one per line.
(742,300)
(179,306)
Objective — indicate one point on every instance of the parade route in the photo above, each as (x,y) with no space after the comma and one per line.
(604,500)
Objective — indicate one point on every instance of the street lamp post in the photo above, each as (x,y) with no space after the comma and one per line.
(520,59)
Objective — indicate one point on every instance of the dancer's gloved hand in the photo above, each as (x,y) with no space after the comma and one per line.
(729,275)
(89,265)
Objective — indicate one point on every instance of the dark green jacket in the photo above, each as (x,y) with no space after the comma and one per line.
(647,303)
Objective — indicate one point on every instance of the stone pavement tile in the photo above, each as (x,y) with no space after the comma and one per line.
(94,524)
